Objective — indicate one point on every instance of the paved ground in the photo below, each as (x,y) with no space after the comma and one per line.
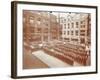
(49,60)
(31,62)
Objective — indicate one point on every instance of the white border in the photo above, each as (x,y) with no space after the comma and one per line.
(21,72)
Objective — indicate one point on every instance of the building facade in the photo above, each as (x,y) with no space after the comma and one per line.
(76,28)
(40,26)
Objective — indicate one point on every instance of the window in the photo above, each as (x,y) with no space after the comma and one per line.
(82,26)
(81,22)
(71,32)
(77,24)
(64,26)
(73,39)
(64,20)
(72,25)
(82,40)
(82,34)
(82,30)
(76,32)
(68,25)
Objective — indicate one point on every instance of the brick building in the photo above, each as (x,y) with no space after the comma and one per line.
(40,26)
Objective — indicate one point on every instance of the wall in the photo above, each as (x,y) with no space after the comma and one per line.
(5,40)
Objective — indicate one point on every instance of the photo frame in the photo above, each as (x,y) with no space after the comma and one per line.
(50,39)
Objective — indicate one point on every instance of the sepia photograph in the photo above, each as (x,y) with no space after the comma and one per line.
(53,39)
(56,39)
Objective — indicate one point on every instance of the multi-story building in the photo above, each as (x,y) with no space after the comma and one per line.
(84,28)
(40,26)
(89,29)
(75,27)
